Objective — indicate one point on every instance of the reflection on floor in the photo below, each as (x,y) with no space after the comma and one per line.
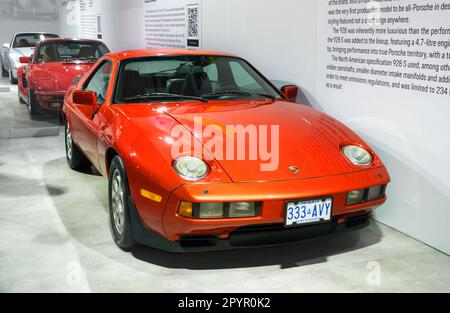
(15,121)
(55,237)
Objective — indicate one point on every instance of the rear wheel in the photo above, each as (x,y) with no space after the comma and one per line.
(12,80)
(75,158)
(119,212)
(5,72)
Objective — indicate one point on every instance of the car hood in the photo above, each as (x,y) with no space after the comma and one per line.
(309,140)
(58,75)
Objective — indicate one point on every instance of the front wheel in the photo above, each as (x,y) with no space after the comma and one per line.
(33,105)
(75,158)
(20,97)
(119,193)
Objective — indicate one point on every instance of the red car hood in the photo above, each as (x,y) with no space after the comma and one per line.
(308,139)
(58,76)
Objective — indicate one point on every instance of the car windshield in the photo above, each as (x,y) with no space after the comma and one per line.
(30,40)
(203,78)
(69,51)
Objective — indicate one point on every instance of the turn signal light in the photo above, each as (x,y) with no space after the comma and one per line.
(185,209)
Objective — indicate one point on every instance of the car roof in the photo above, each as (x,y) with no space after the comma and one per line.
(40,33)
(71,39)
(132,54)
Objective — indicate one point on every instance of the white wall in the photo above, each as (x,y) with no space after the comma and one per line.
(285,40)
(10,25)
(224,29)
(409,130)
(279,38)
(122,23)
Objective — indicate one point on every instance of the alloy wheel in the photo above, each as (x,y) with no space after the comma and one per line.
(118,201)
(69,143)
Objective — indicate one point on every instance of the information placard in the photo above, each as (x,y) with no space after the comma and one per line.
(91,19)
(172,24)
(386,45)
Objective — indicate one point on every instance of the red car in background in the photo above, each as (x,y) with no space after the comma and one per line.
(46,76)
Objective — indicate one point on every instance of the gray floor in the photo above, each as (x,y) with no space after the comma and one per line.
(55,237)
(15,121)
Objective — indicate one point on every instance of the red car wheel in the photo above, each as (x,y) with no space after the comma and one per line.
(33,105)
(75,158)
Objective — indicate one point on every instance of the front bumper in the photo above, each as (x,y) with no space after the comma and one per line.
(227,233)
(257,236)
(50,101)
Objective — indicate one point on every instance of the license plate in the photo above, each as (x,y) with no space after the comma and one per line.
(308,212)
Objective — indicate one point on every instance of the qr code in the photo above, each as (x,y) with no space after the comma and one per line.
(193,21)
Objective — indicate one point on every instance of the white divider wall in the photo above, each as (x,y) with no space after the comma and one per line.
(287,40)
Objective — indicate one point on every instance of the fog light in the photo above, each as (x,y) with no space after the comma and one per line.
(375,193)
(355,197)
(186,209)
(242,209)
(211,210)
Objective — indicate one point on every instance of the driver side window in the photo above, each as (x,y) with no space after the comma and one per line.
(99,82)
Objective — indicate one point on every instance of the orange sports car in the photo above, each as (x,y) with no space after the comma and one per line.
(202,152)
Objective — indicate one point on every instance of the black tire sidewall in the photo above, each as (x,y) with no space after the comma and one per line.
(78,160)
(12,80)
(33,106)
(4,72)
(125,241)
(19,95)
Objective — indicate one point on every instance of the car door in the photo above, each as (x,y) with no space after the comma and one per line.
(84,124)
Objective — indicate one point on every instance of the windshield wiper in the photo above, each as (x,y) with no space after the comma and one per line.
(67,60)
(239,93)
(164,95)
(89,59)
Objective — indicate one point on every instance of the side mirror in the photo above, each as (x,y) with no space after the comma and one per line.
(83,97)
(290,92)
(24,60)
(6,46)
(87,101)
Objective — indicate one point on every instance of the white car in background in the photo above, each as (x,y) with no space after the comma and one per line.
(22,44)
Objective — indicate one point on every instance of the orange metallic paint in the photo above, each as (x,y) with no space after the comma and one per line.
(309,139)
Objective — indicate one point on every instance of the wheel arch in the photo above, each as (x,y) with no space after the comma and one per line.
(109,156)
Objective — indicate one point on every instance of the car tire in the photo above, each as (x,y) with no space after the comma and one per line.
(33,105)
(5,72)
(20,97)
(75,158)
(119,212)
(12,80)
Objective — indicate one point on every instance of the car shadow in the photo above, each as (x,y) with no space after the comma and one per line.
(16,186)
(287,256)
